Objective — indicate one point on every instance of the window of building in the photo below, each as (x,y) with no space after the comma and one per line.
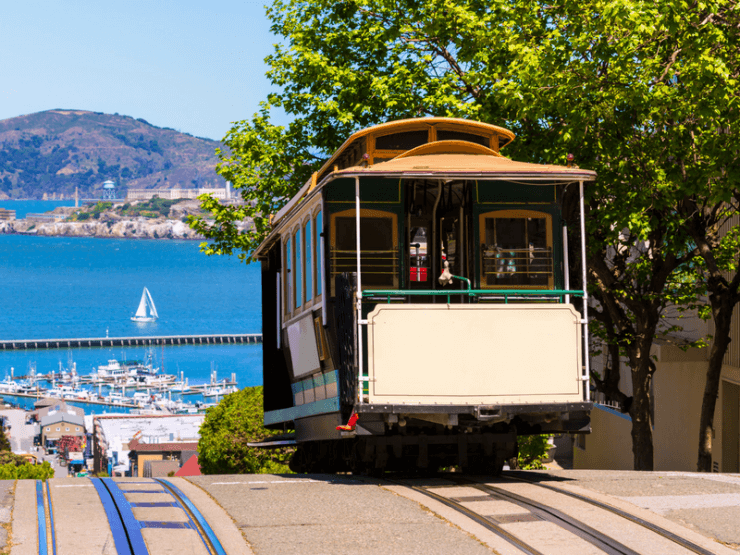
(77,428)
(307,249)
(59,429)
(318,229)
(48,429)
(298,281)
(516,249)
(66,429)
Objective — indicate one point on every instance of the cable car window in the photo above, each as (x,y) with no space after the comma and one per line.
(309,258)
(402,141)
(379,247)
(318,222)
(297,283)
(444,135)
(288,275)
(516,249)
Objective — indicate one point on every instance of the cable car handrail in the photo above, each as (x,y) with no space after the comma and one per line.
(505,293)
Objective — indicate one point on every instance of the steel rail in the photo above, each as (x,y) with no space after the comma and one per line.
(131,526)
(624,514)
(51,519)
(120,539)
(480,519)
(580,529)
(201,524)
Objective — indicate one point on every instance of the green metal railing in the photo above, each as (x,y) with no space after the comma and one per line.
(505,293)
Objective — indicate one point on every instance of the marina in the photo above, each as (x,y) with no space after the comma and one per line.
(131,385)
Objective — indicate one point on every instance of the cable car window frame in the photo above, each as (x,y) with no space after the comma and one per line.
(365,213)
(308,261)
(317,219)
(515,214)
(287,277)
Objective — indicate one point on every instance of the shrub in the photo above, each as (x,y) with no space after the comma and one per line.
(224,434)
(26,471)
(532,449)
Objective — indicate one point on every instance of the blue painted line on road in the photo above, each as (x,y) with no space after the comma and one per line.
(41,518)
(114,519)
(212,538)
(133,530)
(153,504)
(51,519)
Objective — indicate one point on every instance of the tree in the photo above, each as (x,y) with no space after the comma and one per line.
(227,429)
(636,89)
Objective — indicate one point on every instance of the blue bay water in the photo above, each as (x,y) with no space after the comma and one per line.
(23,207)
(57,287)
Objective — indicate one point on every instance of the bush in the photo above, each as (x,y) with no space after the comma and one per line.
(532,449)
(227,428)
(26,471)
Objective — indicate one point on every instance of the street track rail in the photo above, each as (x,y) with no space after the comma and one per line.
(539,511)
(480,519)
(127,530)
(624,514)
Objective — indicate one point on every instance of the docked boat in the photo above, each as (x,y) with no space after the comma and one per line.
(219,390)
(146,312)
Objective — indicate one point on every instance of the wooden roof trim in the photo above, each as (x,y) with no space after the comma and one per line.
(449,147)
(416,123)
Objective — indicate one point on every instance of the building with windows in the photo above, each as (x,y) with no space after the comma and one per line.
(60,423)
(221,193)
(115,436)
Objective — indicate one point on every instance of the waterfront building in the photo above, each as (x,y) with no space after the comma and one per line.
(61,423)
(222,193)
(152,460)
(114,436)
(7,215)
(44,407)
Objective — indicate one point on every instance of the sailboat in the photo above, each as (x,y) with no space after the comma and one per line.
(146,312)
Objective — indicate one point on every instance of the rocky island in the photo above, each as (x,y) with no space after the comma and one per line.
(152,219)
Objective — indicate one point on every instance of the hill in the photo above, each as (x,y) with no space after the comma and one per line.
(58,150)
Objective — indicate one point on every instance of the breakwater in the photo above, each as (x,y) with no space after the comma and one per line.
(82,342)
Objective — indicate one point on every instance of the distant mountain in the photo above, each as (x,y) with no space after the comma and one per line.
(58,150)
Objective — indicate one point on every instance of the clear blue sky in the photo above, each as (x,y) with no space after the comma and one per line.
(194,66)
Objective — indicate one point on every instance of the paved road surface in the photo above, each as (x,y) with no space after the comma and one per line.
(272,514)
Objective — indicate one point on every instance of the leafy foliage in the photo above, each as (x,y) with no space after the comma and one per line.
(26,471)
(532,451)
(227,428)
(644,93)
(4,441)
(152,208)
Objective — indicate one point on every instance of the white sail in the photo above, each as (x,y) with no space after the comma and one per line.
(146,312)
(152,308)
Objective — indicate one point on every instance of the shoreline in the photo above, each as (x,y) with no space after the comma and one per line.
(138,228)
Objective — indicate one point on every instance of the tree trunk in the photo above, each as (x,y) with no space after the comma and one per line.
(642,431)
(722,308)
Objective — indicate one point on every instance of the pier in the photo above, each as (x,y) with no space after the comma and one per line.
(81,342)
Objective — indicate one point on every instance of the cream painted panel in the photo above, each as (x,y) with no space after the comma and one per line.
(304,353)
(474,354)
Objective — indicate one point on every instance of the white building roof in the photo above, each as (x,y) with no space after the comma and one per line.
(115,431)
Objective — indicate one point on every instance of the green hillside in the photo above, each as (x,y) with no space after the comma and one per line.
(58,150)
